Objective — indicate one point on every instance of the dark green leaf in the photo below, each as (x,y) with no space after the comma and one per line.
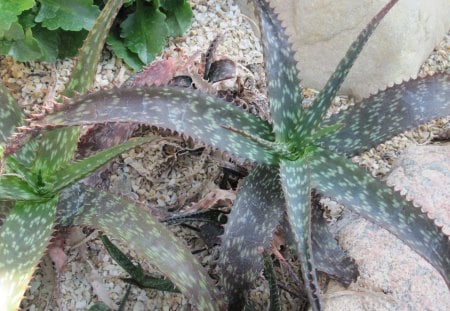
(99,306)
(251,223)
(136,272)
(178,16)
(283,84)
(71,15)
(10,114)
(296,183)
(23,240)
(185,111)
(320,105)
(350,185)
(150,239)
(389,113)
(70,42)
(145,31)
(269,273)
(48,42)
(119,48)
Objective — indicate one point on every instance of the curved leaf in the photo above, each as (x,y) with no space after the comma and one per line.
(283,84)
(117,217)
(389,113)
(320,105)
(70,173)
(10,114)
(23,240)
(14,188)
(186,111)
(254,217)
(350,185)
(296,183)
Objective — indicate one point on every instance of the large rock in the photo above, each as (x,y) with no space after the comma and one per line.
(322,30)
(386,265)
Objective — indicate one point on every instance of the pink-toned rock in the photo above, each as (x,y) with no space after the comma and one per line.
(388,266)
(420,172)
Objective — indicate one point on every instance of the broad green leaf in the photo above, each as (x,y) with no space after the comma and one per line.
(119,48)
(70,173)
(71,15)
(178,16)
(320,105)
(10,10)
(182,110)
(56,147)
(138,229)
(23,240)
(283,84)
(10,114)
(389,113)
(85,68)
(22,50)
(296,183)
(350,185)
(145,30)
(136,272)
(48,43)
(70,42)
(14,188)
(253,219)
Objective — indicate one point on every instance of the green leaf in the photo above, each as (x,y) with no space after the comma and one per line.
(269,273)
(10,10)
(322,102)
(99,306)
(48,43)
(350,185)
(145,31)
(55,148)
(249,230)
(283,84)
(135,271)
(70,173)
(83,74)
(182,110)
(14,188)
(10,114)
(138,229)
(389,113)
(70,42)
(296,183)
(23,240)
(178,16)
(22,50)
(119,48)
(71,15)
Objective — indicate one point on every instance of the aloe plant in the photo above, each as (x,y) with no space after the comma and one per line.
(38,189)
(297,152)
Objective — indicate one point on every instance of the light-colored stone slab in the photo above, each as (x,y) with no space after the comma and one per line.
(322,30)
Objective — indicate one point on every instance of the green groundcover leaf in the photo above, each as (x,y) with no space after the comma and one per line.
(69,15)
(9,10)
(179,16)
(145,31)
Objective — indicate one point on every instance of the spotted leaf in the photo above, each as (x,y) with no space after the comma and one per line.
(10,114)
(83,75)
(296,183)
(320,105)
(350,185)
(249,230)
(24,237)
(389,113)
(283,84)
(186,111)
(71,173)
(15,188)
(141,232)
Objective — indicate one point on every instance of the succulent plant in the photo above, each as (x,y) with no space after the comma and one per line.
(298,151)
(39,189)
